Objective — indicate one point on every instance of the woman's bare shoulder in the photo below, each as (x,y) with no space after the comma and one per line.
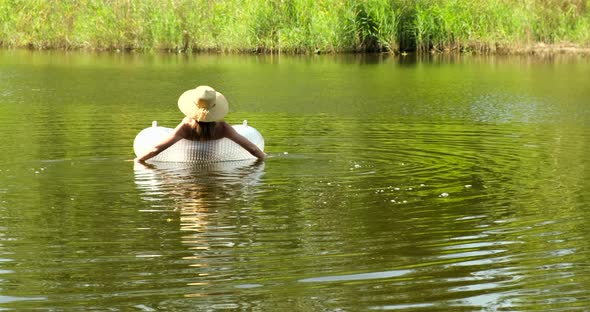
(184,127)
(187,121)
(222,125)
(223,129)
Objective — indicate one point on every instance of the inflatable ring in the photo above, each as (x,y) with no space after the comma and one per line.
(196,151)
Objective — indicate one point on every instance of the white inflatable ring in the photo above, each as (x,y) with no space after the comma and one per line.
(195,151)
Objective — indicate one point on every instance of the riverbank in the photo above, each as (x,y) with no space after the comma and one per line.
(296,26)
(549,49)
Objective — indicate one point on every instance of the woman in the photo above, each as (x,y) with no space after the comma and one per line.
(204,109)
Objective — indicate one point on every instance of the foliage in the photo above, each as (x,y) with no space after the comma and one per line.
(294,26)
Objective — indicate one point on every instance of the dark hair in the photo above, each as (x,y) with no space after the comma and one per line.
(202,131)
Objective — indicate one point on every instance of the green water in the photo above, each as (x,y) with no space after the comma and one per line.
(435,184)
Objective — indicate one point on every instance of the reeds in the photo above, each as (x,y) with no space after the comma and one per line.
(294,26)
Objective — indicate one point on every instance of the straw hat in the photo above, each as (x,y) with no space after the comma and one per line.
(203,104)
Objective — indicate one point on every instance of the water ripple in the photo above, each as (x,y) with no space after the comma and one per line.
(410,186)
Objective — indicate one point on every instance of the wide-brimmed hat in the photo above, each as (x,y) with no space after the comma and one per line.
(203,104)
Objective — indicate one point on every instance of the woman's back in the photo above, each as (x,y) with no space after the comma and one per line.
(204,109)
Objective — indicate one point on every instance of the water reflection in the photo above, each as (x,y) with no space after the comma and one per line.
(203,194)
(192,184)
(447,183)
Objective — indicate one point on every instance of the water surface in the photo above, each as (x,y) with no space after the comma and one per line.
(441,183)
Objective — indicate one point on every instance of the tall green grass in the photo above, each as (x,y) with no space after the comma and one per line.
(293,26)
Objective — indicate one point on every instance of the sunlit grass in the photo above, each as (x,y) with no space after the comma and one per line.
(294,26)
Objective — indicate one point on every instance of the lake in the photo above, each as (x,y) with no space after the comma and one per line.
(432,183)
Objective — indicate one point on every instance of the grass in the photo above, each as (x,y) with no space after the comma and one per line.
(294,26)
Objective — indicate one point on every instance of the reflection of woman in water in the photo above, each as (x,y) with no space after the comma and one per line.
(204,109)
(209,201)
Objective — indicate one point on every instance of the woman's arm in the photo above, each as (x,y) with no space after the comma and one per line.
(177,135)
(230,133)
